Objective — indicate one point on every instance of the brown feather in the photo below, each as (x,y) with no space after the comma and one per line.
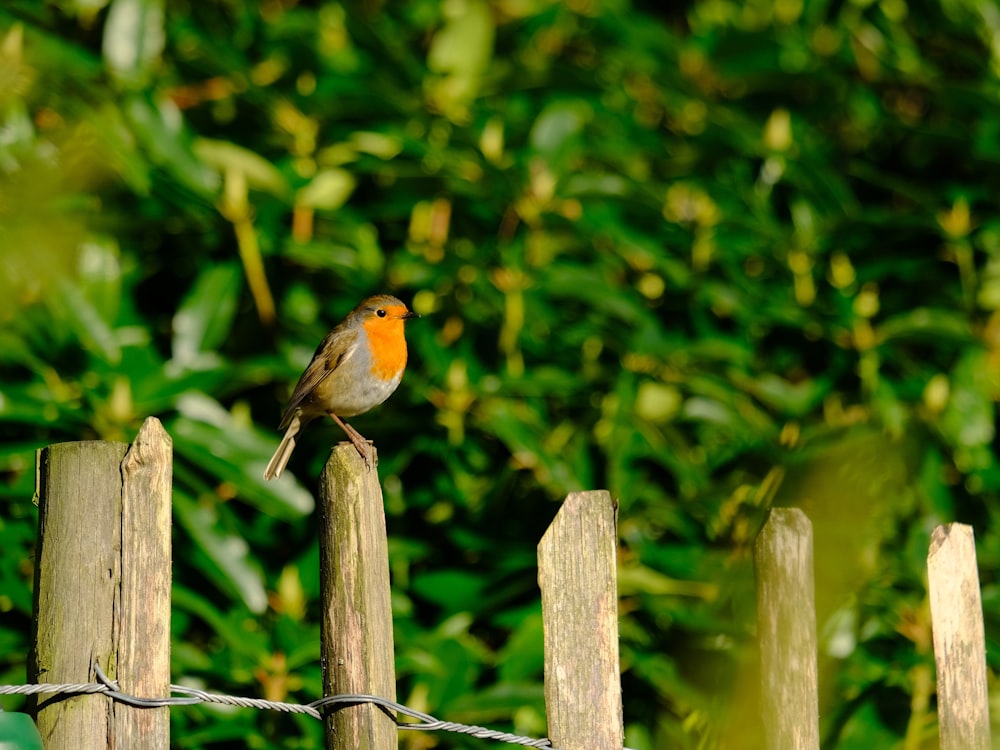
(320,368)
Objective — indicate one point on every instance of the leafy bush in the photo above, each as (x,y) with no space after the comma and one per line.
(713,258)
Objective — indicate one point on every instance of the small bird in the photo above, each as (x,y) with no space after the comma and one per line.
(356,367)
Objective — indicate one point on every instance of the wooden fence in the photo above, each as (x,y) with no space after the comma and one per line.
(102,595)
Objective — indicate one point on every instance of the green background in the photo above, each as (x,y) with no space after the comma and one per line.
(712,256)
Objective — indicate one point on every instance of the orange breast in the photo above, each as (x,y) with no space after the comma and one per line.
(388,346)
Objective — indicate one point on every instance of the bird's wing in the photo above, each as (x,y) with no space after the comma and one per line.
(321,367)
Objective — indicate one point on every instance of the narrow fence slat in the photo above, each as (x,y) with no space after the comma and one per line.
(959,639)
(77,578)
(143,657)
(577,574)
(786,622)
(356,628)
(77,575)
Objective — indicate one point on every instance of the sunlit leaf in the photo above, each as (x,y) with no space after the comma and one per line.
(101,277)
(328,190)
(927,322)
(233,566)
(460,51)
(159,127)
(134,38)
(236,455)
(203,320)
(557,125)
(93,332)
(259,172)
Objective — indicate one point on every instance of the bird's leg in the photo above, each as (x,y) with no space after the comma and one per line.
(361,444)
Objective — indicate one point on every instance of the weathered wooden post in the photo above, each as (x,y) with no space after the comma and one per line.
(959,639)
(102,588)
(577,573)
(786,624)
(356,629)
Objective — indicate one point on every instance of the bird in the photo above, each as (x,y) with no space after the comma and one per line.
(355,368)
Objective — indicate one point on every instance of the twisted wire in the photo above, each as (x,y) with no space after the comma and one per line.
(419,721)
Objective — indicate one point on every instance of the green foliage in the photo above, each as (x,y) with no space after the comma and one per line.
(712,257)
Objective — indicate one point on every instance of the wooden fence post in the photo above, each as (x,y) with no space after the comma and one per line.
(577,573)
(786,623)
(356,629)
(102,588)
(959,639)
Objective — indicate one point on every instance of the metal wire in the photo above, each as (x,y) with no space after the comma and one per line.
(191,696)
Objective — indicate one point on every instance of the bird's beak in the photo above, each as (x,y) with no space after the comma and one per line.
(409,314)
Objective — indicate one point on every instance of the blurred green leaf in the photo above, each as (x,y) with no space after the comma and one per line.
(93,332)
(460,51)
(230,563)
(134,39)
(223,156)
(639,579)
(791,398)
(205,316)
(970,417)
(522,657)
(557,126)
(328,190)
(455,589)
(927,322)
(213,440)
(101,276)
(160,130)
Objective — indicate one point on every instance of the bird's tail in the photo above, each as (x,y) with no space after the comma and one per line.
(280,458)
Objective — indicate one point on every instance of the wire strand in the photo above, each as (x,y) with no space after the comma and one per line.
(192,696)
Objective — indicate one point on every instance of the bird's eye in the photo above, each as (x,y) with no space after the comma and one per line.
(380,313)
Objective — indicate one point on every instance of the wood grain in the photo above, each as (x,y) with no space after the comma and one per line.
(102,588)
(577,573)
(77,586)
(356,629)
(786,628)
(143,621)
(959,639)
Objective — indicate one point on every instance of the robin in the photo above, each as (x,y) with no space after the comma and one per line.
(356,367)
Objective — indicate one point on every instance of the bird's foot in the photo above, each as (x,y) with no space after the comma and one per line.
(366,449)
